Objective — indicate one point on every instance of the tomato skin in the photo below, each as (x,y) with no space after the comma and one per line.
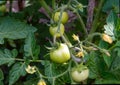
(64,17)
(53,30)
(80,76)
(61,54)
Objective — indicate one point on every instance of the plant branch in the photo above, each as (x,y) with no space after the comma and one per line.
(81,20)
(53,4)
(94,25)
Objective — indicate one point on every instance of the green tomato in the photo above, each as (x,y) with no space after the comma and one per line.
(79,75)
(53,30)
(61,54)
(64,17)
(2,8)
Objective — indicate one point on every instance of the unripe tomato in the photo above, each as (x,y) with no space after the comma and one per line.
(61,54)
(64,17)
(2,8)
(53,30)
(79,75)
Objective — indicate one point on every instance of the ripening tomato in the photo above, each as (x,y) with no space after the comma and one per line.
(64,17)
(61,54)
(53,30)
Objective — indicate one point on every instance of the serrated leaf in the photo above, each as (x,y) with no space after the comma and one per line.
(1,75)
(92,65)
(49,71)
(111,24)
(30,47)
(6,57)
(13,29)
(116,63)
(17,70)
(107,59)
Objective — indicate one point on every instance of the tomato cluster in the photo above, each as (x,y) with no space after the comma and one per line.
(57,31)
(62,53)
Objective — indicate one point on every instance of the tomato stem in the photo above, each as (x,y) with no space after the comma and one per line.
(94,25)
(53,4)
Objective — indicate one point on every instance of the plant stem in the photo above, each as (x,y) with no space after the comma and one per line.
(82,24)
(81,21)
(90,36)
(17,59)
(94,25)
(44,5)
(53,4)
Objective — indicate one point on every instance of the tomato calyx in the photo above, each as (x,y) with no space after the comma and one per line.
(79,68)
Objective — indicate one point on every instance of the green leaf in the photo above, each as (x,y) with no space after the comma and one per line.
(111,23)
(111,81)
(103,44)
(111,4)
(117,48)
(16,71)
(116,63)
(7,56)
(107,59)
(92,65)
(30,47)
(117,30)
(1,75)
(1,82)
(32,81)
(49,70)
(13,29)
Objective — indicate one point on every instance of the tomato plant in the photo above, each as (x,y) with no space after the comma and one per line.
(59,42)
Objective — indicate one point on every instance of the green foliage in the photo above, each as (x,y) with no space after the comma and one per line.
(30,47)
(13,29)
(111,24)
(1,77)
(24,34)
(111,4)
(7,56)
(16,71)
